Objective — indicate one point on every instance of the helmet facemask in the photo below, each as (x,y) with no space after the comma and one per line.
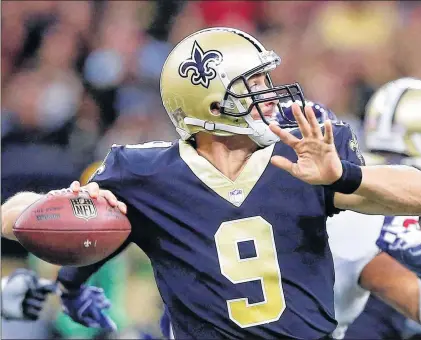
(240,103)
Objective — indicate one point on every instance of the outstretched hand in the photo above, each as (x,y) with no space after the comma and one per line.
(318,162)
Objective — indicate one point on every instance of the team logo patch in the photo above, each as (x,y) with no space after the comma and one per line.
(236,197)
(83,208)
(100,170)
(199,65)
(354,146)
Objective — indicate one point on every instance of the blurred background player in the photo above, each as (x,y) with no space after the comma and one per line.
(392,135)
(24,294)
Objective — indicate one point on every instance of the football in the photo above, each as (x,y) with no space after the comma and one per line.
(71,229)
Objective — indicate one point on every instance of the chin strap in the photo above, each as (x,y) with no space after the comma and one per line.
(211,126)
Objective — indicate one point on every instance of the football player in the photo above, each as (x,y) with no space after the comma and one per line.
(23,295)
(234,221)
(353,238)
(392,130)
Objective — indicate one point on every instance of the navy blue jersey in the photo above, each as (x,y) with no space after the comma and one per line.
(232,259)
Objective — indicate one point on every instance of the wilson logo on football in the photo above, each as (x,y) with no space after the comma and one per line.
(83,208)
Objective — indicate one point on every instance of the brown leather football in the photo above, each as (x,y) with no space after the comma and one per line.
(71,230)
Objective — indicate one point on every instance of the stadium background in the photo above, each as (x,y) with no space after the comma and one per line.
(78,76)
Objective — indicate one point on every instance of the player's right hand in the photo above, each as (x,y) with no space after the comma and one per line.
(86,305)
(94,191)
(318,162)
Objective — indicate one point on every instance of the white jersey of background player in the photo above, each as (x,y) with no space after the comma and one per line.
(392,126)
(352,240)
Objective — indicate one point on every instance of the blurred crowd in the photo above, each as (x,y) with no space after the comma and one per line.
(79,76)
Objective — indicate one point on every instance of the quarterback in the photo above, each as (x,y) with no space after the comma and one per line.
(236,209)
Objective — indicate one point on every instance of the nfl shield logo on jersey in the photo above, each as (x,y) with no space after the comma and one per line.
(83,208)
(236,197)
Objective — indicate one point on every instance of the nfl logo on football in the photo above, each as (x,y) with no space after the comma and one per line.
(83,208)
(236,197)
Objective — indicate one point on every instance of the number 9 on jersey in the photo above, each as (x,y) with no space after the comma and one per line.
(264,267)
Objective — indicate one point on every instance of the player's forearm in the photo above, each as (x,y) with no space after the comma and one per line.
(394,284)
(73,277)
(11,210)
(396,188)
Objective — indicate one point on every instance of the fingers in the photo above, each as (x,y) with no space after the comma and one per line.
(109,196)
(34,303)
(104,304)
(50,288)
(96,290)
(316,131)
(82,309)
(92,189)
(32,313)
(112,200)
(106,322)
(36,294)
(75,186)
(122,207)
(283,163)
(302,122)
(32,308)
(328,137)
(283,135)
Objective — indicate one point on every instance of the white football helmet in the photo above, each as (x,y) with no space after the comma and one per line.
(209,69)
(393,118)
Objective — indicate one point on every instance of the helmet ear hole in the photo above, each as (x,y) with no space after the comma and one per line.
(215,108)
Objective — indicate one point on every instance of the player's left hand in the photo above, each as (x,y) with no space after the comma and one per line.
(318,161)
(86,305)
(24,295)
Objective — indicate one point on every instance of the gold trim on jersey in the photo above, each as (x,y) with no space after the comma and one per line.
(236,191)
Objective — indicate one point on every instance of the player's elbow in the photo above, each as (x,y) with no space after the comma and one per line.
(7,231)
(7,224)
(11,210)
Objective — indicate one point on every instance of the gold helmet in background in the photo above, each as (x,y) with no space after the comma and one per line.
(204,85)
(393,118)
